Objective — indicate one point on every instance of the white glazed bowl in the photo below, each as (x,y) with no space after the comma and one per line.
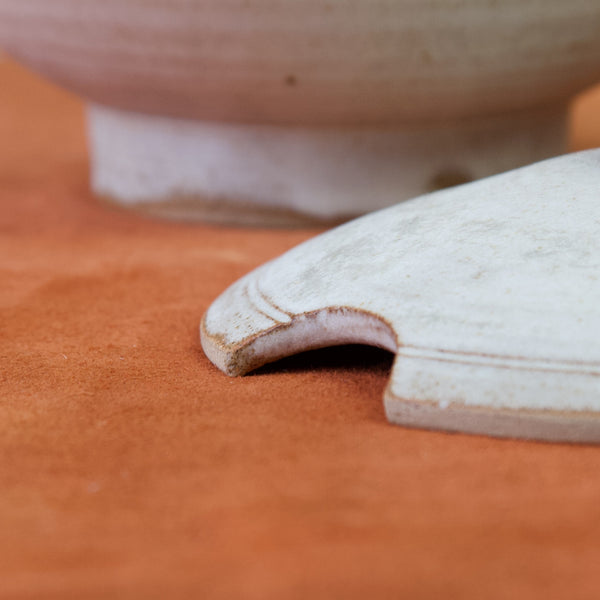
(325,108)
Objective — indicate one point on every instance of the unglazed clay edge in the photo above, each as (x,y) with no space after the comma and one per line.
(333,326)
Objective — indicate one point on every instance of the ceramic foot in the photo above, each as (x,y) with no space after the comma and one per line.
(269,175)
(488,294)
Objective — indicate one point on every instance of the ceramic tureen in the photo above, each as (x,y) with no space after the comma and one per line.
(278,111)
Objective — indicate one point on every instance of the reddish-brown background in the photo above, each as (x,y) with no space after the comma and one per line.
(131,468)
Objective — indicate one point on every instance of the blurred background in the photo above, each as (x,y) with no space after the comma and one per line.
(131,468)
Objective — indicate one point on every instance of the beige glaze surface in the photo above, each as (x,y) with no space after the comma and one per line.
(311,62)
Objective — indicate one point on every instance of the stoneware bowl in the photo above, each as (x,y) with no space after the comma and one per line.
(277,111)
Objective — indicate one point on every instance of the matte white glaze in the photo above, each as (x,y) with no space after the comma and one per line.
(296,173)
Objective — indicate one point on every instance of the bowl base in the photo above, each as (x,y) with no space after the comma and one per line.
(281,176)
(223,211)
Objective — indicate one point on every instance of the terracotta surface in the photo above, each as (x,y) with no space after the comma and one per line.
(131,468)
